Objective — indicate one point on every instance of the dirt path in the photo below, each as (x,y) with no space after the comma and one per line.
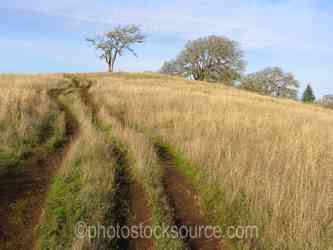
(184,200)
(22,195)
(131,204)
(141,215)
(131,201)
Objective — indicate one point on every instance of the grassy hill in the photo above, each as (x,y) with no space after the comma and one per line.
(136,148)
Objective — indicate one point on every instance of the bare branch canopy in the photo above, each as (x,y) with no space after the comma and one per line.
(116,42)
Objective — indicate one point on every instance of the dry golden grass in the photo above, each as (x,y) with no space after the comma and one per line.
(278,153)
(27,114)
(273,157)
(20,109)
(23,102)
(29,81)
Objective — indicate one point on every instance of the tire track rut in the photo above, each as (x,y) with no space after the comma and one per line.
(184,200)
(26,191)
(182,197)
(131,203)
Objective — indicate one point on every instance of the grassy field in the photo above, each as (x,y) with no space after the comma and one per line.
(247,159)
(28,118)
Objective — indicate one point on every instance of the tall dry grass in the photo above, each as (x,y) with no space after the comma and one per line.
(28,117)
(37,81)
(274,156)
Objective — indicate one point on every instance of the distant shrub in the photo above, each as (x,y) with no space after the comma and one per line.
(326,101)
(308,95)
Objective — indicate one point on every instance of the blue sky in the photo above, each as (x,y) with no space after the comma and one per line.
(40,36)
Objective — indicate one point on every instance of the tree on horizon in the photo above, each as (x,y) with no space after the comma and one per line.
(116,42)
(308,95)
(212,59)
(272,81)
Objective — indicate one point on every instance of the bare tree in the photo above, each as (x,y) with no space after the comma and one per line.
(212,59)
(116,42)
(272,81)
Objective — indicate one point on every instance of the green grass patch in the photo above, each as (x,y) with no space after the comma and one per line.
(8,160)
(63,209)
(86,191)
(46,137)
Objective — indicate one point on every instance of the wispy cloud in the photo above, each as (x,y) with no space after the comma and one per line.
(291,24)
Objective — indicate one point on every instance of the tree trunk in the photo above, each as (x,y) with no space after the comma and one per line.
(113,60)
(110,67)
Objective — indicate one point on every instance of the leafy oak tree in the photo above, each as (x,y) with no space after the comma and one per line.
(116,42)
(308,95)
(273,82)
(172,68)
(212,58)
